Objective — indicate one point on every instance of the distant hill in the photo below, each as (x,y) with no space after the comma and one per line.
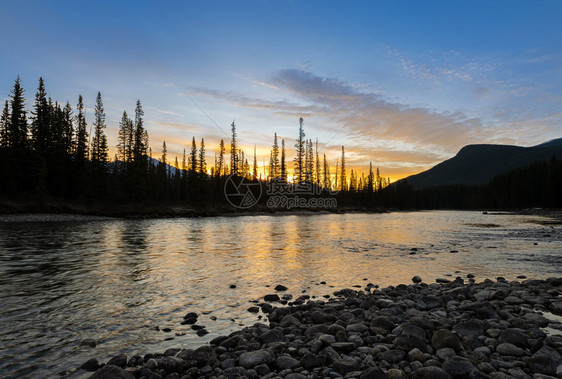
(478,164)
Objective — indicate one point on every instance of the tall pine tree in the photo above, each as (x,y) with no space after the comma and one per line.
(17,126)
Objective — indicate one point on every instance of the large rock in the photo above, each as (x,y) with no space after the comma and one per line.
(510,349)
(320,317)
(285,362)
(273,335)
(373,373)
(252,359)
(346,365)
(119,360)
(91,364)
(431,372)
(545,361)
(392,356)
(112,372)
(310,361)
(514,336)
(458,367)
(445,338)
(204,355)
(429,302)
(470,328)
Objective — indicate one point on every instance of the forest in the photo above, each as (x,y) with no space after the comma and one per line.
(51,160)
(50,157)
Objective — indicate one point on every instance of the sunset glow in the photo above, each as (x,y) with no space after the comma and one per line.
(389,81)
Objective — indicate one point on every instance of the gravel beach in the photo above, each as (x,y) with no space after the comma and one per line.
(448,329)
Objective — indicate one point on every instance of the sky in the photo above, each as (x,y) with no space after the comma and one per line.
(402,84)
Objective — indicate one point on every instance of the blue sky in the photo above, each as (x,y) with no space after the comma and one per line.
(404,84)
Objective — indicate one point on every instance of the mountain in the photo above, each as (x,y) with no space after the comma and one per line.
(478,164)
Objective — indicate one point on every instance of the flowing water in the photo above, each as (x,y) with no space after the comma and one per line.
(115,281)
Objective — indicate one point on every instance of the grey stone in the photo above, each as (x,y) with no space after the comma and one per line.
(285,362)
(445,338)
(545,361)
(431,372)
(273,335)
(119,360)
(510,349)
(346,365)
(391,356)
(112,372)
(252,359)
(458,367)
(91,364)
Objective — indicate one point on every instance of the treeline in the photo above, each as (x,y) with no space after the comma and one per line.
(538,185)
(50,154)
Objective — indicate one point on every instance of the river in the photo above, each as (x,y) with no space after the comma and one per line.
(121,282)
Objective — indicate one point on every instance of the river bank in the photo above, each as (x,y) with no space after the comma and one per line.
(448,329)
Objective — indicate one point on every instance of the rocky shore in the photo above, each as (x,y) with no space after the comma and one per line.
(491,329)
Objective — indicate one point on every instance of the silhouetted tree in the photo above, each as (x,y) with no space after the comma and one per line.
(99,141)
(41,134)
(4,126)
(300,148)
(220,170)
(202,160)
(81,152)
(17,126)
(234,159)
(283,163)
(343,179)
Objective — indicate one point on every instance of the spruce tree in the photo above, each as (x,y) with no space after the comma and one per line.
(220,162)
(81,152)
(4,129)
(125,140)
(140,137)
(283,163)
(202,161)
(68,130)
(40,125)
(193,158)
(343,180)
(99,140)
(300,149)
(275,158)
(255,168)
(234,159)
(17,126)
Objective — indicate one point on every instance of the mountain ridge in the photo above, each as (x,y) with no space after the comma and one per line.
(477,164)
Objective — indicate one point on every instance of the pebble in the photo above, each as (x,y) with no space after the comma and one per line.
(448,329)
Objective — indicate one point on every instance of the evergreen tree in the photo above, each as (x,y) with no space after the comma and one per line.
(140,138)
(202,161)
(255,168)
(193,158)
(125,140)
(343,179)
(234,159)
(300,156)
(275,159)
(370,179)
(220,170)
(317,170)
(68,130)
(283,162)
(18,118)
(4,126)
(40,126)
(326,174)
(81,152)
(352,182)
(309,162)
(99,141)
